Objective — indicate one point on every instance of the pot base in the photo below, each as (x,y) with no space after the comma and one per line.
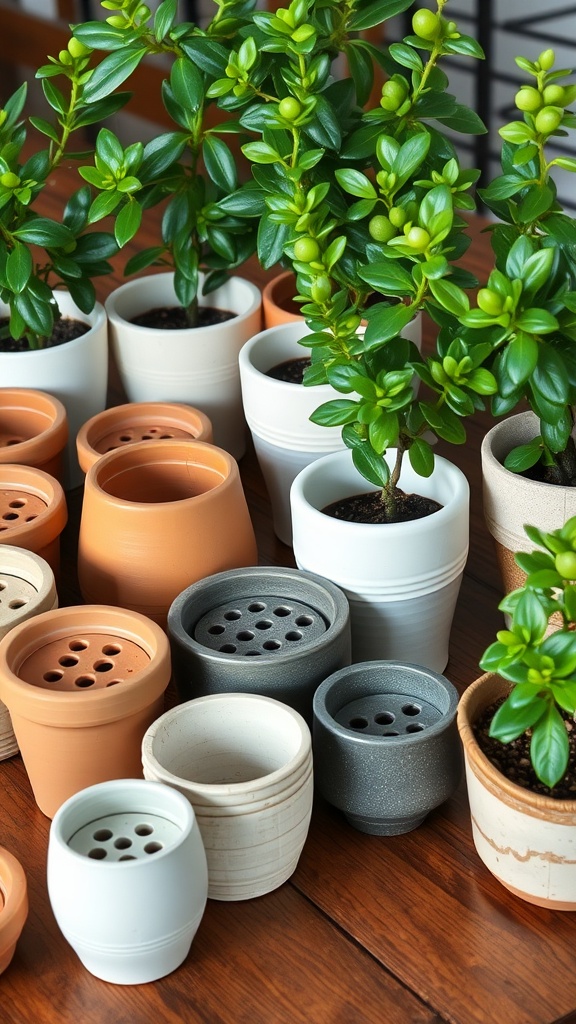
(384,826)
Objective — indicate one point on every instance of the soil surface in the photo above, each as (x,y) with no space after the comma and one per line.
(65,329)
(292,371)
(369,508)
(173,318)
(513,759)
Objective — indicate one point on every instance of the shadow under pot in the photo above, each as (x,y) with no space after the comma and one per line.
(245,764)
(386,745)
(139,421)
(156,517)
(33,430)
(263,629)
(127,879)
(33,512)
(82,684)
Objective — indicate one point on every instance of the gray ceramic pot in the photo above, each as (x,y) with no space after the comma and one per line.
(386,746)
(268,630)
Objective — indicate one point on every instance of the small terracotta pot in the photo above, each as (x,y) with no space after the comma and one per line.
(33,511)
(33,430)
(156,517)
(278,306)
(13,905)
(82,685)
(27,587)
(139,421)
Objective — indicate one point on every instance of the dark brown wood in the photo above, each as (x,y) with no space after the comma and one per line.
(407,929)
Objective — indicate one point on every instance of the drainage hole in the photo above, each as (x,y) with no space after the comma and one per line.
(166,437)
(2,585)
(391,732)
(251,654)
(227,649)
(147,437)
(256,606)
(415,727)
(125,437)
(384,718)
(232,615)
(358,723)
(245,634)
(84,682)
(411,710)
(102,835)
(293,635)
(10,516)
(97,854)
(152,847)
(52,677)
(127,856)
(111,650)
(17,503)
(13,440)
(271,645)
(102,666)
(217,630)
(17,603)
(77,645)
(67,660)
(263,624)
(143,830)
(282,611)
(304,620)
(30,519)
(122,843)
(113,682)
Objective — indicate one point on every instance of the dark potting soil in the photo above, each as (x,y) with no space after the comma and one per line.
(65,329)
(369,508)
(513,759)
(292,371)
(173,318)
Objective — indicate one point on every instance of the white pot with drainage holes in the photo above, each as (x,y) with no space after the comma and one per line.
(27,587)
(82,684)
(263,629)
(127,878)
(386,746)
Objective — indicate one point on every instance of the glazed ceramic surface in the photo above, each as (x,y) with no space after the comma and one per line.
(33,430)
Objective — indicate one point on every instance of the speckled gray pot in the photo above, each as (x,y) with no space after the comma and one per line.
(269,630)
(386,746)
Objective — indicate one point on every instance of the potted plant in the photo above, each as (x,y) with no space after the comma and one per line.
(516,724)
(192,167)
(47,266)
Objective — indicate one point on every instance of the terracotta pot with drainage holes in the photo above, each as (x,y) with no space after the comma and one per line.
(386,745)
(33,430)
(82,685)
(127,878)
(33,511)
(263,629)
(27,587)
(139,421)
(13,905)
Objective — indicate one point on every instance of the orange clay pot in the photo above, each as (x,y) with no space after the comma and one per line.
(139,421)
(156,517)
(278,306)
(33,430)
(82,685)
(13,905)
(33,511)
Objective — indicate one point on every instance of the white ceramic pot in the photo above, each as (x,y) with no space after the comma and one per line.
(75,372)
(401,579)
(197,366)
(127,879)
(245,763)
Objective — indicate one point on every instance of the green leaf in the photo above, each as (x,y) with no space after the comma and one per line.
(112,72)
(537,202)
(19,267)
(510,722)
(335,413)
(521,357)
(187,85)
(406,56)
(421,457)
(549,747)
(220,163)
(374,12)
(209,55)
(536,269)
(42,231)
(100,36)
(371,466)
(385,323)
(324,129)
(537,321)
(450,296)
(444,422)
(271,241)
(464,120)
(164,18)
(35,313)
(504,187)
(355,183)
(261,153)
(127,223)
(388,278)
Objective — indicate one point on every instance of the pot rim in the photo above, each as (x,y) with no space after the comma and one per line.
(165,277)
(33,401)
(14,890)
(51,520)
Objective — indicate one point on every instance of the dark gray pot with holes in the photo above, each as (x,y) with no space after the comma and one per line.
(274,631)
(386,746)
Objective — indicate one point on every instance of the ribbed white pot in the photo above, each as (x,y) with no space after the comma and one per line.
(127,878)
(245,763)
(75,372)
(401,579)
(197,366)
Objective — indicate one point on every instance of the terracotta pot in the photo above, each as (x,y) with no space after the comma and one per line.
(526,840)
(33,512)
(76,373)
(278,306)
(156,517)
(139,421)
(199,365)
(33,430)
(27,587)
(511,500)
(82,685)
(13,905)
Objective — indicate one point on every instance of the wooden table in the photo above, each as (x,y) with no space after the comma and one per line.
(405,930)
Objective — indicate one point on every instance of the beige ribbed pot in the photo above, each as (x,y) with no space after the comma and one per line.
(33,430)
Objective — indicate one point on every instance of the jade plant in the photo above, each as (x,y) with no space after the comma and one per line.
(189,167)
(527,309)
(39,253)
(364,201)
(540,663)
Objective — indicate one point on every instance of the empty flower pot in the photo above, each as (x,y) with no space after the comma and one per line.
(33,430)
(127,879)
(156,517)
(386,745)
(263,629)
(245,763)
(13,905)
(139,421)
(27,587)
(33,511)
(82,684)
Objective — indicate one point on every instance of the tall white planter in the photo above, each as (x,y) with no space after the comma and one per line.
(401,579)
(75,372)
(197,366)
